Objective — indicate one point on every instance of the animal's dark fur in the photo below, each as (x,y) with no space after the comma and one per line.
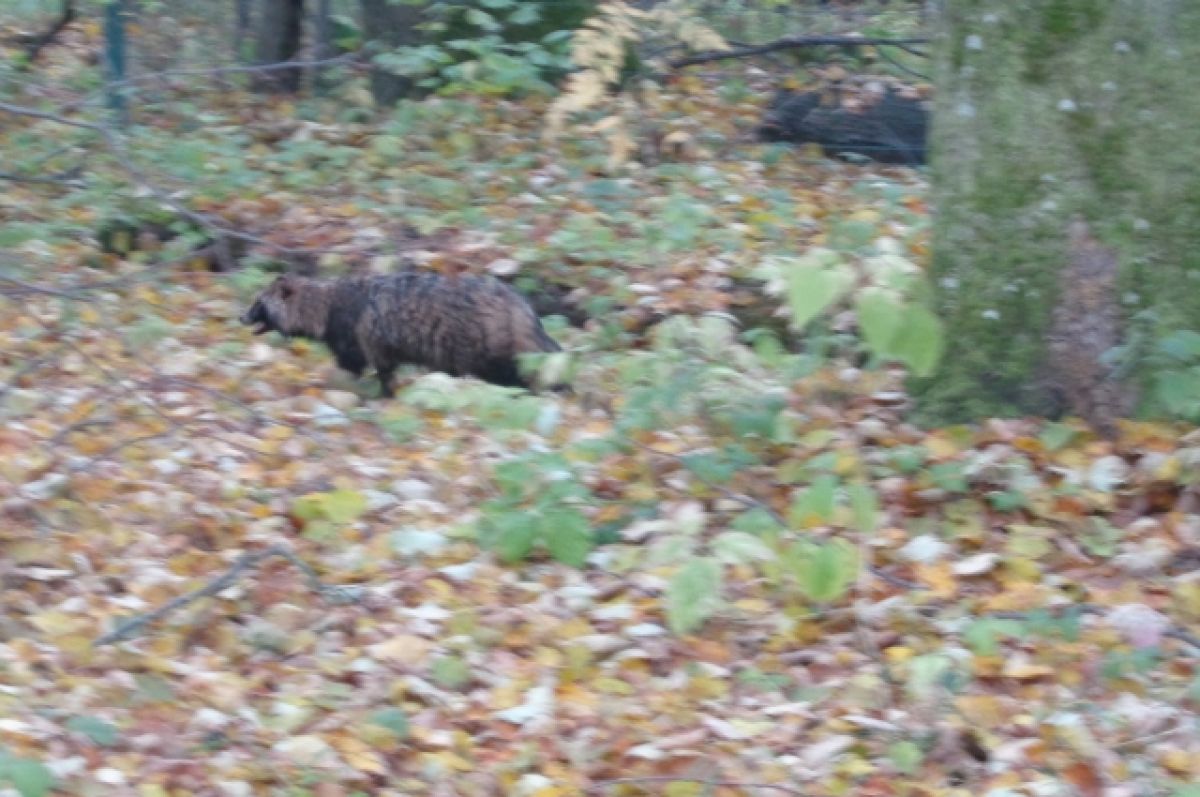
(465,326)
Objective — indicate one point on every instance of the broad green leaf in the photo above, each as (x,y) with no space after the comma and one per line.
(814,506)
(394,719)
(926,673)
(906,756)
(738,547)
(710,466)
(29,777)
(101,732)
(1183,345)
(864,504)
(920,341)
(983,635)
(814,285)
(692,595)
(451,672)
(566,533)
(824,571)
(880,317)
(511,535)
(757,521)
(482,19)
(342,506)
(153,689)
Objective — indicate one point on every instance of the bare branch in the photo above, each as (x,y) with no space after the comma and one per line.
(709,782)
(34,113)
(35,42)
(796,42)
(134,625)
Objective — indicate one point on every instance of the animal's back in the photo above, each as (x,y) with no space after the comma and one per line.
(462,325)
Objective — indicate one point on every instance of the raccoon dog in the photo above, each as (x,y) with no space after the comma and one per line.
(464,326)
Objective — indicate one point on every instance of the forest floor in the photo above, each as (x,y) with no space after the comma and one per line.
(725,564)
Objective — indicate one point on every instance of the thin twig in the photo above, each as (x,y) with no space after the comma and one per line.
(710,782)
(885,55)
(795,42)
(134,625)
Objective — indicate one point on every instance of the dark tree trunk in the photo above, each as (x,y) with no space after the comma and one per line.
(241,28)
(386,26)
(278,39)
(324,34)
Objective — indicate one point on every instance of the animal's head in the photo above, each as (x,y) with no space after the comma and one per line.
(270,310)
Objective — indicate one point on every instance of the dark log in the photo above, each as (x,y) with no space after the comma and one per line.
(891,129)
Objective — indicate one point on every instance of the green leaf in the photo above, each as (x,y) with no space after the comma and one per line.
(983,635)
(525,14)
(814,506)
(814,283)
(511,535)
(29,777)
(1183,345)
(1056,435)
(920,341)
(693,595)
(927,673)
(880,317)
(709,466)
(738,547)
(14,234)
(101,732)
(566,533)
(451,672)
(342,506)
(153,689)
(864,505)
(824,571)
(307,507)
(906,756)
(757,521)
(394,719)
(481,19)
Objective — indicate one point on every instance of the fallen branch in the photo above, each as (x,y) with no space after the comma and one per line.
(796,42)
(709,782)
(34,43)
(246,561)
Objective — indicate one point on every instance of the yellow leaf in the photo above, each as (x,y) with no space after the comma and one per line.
(939,578)
(403,649)
(1180,762)
(986,711)
(1187,598)
(1025,670)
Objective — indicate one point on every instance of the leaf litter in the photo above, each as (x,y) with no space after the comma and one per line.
(1001,610)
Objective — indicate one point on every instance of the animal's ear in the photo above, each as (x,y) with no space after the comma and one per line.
(287,286)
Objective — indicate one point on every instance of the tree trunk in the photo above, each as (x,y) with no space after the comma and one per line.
(241,27)
(1063,167)
(278,39)
(386,26)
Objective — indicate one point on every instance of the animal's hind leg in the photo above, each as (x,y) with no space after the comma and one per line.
(386,375)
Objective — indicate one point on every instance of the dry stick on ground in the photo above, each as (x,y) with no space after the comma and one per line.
(709,782)
(134,625)
(795,42)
